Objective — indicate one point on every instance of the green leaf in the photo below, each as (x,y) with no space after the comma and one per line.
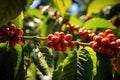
(10,10)
(34,13)
(28,3)
(18,49)
(98,23)
(98,5)
(94,59)
(43,61)
(66,70)
(104,68)
(84,65)
(62,5)
(18,21)
(75,21)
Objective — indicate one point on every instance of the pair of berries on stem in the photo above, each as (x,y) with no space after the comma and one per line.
(12,34)
(59,41)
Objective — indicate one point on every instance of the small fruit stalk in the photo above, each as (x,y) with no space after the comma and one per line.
(12,34)
(59,41)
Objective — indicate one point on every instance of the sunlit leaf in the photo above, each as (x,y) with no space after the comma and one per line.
(18,21)
(98,5)
(10,10)
(98,23)
(94,59)
(62,5)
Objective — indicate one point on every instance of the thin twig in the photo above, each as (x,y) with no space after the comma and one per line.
(34,38)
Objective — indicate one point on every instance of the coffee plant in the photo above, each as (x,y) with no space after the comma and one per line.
(50,43)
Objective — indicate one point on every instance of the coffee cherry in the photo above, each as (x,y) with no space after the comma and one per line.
(12,27)
(63,49)
(71,44)
(4,38)
(68,37)
(101,49)
(50,44)
(102,34)
(105,41)
(11,34)
(55,39)
(19,32)
(118,41)
(108,31)
(61,34)
(64,43)
(91,35)
(111,37)
(95,45)
(50,36)
(57,47)
(12,43)
(113,44)
(5,31)
(97,38)
(76,28)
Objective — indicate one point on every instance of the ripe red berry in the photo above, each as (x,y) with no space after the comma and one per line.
(91,35)
(50,44)
(11,34)
(71,44)
(76,27)
(4,38)
(113,44)
(64,43)
(12,43)
(97,38)
(95,45)
(57,47)
(63,49)
(61,34)
(108,31)
(105,41)
(55,39)
(56,33)
(19,32)
(17,38)
(102,34)
(12,27)
(5,31)
(50,36)
(68,37)
(111,37)
(101,49)
(91,43)
(118,41)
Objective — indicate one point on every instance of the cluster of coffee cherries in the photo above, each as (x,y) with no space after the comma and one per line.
(72,27)
(12,34)
(59,41)
(106,43)
(85,34)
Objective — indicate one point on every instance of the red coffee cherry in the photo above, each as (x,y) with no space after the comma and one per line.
(91,43)
(95,45)
(102,34)
(50,44)
(50,36)
(68,37)
(11,34)
(113,44)
(76,28)
(97,38)
(12,27)
(4,38)
(57,47)
(12,43)
(105,41)
(64,43)
(111,37)
(63,49)
(19,32)
(71,44)
(101,49)
(5,31)
(118,41)
(91,35)
(55,39)
(61,34)
(108,31)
